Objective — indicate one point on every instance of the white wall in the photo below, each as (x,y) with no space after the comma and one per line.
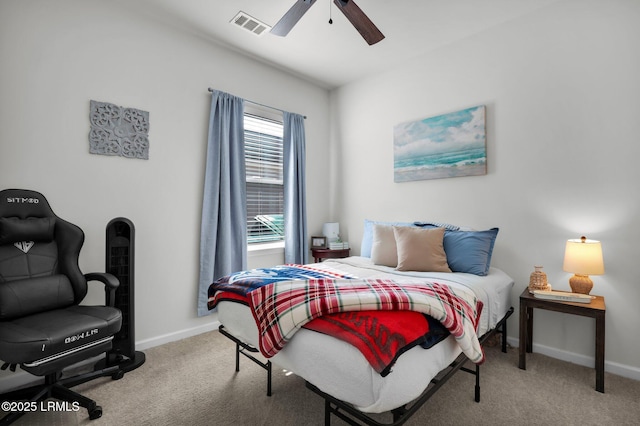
(561,89)
(56,56)
(562,93)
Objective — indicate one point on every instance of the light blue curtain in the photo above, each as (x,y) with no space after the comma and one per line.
(295,205)
(223,233)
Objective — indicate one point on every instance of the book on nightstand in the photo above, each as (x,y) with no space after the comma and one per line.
(563,296)
(338,245)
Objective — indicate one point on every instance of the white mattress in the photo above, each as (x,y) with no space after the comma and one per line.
(339,369)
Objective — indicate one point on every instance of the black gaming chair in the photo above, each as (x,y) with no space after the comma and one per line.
(42,326)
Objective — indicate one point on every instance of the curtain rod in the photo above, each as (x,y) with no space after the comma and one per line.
(262,105)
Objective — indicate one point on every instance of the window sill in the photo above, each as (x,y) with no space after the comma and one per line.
(266,248)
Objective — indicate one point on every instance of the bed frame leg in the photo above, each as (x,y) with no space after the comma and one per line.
(398,413)
(237,357)
(477,397)
(269,365)
(327,413)
(504,337)
(244,349)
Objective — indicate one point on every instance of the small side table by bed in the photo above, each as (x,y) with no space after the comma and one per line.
(320,254)
(596,309)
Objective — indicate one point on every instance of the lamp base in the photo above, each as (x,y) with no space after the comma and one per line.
(580,284)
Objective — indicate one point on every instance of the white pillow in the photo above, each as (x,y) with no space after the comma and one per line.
(383,246)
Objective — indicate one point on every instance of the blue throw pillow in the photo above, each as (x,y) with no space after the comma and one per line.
(470,251)
(367,235)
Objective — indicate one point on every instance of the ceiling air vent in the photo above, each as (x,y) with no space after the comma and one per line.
(250,23)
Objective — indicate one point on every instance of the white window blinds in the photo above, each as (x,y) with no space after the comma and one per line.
(265,194)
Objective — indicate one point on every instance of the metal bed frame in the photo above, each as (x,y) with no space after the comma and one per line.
(352,415)
(246,350)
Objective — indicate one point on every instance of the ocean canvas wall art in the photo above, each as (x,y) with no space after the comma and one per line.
(448,145)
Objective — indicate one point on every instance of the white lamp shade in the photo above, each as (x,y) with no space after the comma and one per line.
(331,230)
(583,257)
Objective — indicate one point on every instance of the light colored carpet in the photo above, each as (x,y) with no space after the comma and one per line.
(193,382)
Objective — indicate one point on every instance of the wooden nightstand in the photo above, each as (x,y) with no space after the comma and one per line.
(319,254)
(596,309)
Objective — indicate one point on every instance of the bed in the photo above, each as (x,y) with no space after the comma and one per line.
(338,371)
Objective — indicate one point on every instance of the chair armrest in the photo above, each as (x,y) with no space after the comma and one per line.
(110,282)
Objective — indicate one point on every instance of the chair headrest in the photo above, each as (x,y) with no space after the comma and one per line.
(13,229)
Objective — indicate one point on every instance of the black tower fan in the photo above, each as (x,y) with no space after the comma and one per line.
(120,262)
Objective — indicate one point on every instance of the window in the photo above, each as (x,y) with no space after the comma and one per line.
(263,134)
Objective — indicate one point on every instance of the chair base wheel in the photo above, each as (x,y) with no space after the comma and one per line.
(95,413)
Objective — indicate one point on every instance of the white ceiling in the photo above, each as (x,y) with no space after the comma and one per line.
(333,55)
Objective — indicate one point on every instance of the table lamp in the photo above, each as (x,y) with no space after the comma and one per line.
(583,257)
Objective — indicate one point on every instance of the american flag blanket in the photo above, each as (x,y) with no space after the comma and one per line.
(244,282)
(283,306)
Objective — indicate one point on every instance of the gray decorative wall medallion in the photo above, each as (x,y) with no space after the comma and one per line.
(117,130)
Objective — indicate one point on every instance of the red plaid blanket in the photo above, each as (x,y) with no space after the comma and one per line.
(282,308)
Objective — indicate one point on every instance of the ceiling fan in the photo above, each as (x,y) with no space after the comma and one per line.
(354,14)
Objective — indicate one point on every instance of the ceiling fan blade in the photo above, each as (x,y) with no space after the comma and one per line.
(291,18)
(360,21)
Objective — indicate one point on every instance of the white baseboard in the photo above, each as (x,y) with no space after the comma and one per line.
(178,335)
(586,361)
